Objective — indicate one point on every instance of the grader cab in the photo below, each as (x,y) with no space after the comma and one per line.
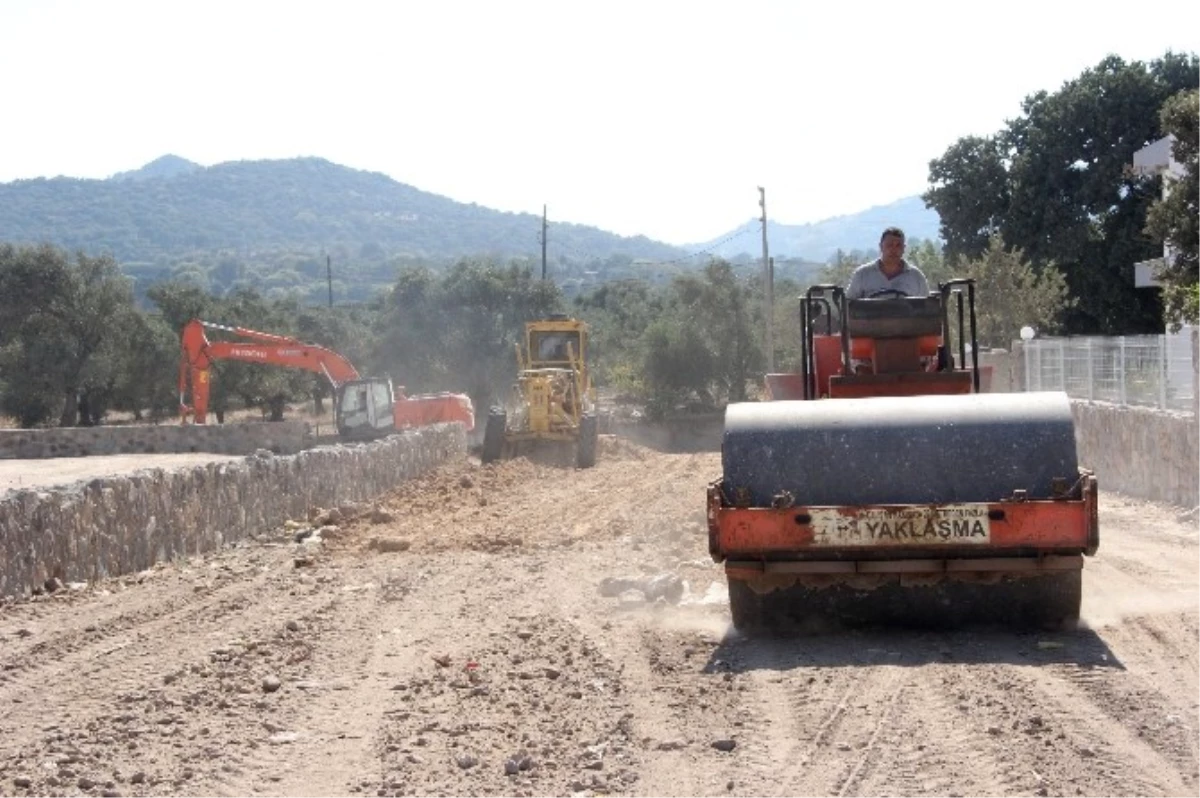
(552,402)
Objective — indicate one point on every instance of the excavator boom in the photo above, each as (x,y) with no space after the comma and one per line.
(198,354)
(365,407)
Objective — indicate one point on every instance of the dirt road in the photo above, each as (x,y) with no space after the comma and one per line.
(63,471)
(478,642)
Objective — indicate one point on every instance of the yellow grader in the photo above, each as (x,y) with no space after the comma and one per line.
(552,401)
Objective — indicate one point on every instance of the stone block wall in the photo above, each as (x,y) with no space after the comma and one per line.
(119,525)
(282,437)
(1138,451)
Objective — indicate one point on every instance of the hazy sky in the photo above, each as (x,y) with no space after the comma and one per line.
(655,118)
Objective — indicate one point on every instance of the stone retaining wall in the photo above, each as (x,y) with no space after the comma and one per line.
(119,525)
(1151,454)
(282,437)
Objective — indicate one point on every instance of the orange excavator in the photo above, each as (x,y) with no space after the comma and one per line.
(364,408)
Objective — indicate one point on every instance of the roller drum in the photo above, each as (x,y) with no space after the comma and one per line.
(899,450)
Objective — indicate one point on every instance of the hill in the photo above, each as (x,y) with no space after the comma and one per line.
(819,241)
(276,225)
(172,206)
(166,166)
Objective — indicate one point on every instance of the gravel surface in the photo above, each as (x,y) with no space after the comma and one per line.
(527,629)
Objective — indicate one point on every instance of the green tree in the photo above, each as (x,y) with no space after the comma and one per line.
(344,330)
(62,327)
(1173,220)
(678,366)
(1055,183)
(730,315)
(180,302)
(969,187)
(704,351)
(842,265)
(929,256)
(146,368)
(236,384)
(1010,294)
(618,313)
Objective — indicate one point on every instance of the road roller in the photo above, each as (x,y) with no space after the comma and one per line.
(878,485)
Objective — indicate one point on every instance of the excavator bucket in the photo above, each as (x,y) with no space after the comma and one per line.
(914,511)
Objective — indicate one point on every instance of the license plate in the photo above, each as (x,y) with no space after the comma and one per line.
(951,524)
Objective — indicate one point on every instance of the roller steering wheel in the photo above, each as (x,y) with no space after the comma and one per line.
(882,292)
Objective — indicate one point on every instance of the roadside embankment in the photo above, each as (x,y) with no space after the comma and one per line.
(115,525)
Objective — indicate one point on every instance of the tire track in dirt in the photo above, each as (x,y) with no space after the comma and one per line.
(88,618)
(158,683)
(800,728)
(525,702)
(823,752)
(932,744)
(323,741)
(1071,725)
(684,704)
(661,650)
(107,627)
(1155,735)
(1135,569)
(1162,648)
(1141,597)
(797,716)
(868,755)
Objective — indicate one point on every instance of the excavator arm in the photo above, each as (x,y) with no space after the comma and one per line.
(198,355)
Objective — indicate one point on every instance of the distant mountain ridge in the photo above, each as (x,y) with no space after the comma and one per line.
(172,206)
(819,241)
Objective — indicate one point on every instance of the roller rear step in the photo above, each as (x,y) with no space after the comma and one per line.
(814,604)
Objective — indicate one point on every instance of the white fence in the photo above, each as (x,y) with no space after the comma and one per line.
(1143,370)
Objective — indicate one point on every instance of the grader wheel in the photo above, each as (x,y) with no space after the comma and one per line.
(585,451)
(493,436)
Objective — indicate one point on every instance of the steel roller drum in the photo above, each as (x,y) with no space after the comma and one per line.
(899,450)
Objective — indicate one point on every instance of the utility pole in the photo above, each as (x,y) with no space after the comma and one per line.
(769,287)
(543,240)
(329,277)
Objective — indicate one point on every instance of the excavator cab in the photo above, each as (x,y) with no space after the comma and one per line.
(364,408)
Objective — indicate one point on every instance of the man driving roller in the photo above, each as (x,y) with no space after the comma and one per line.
(890,274)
